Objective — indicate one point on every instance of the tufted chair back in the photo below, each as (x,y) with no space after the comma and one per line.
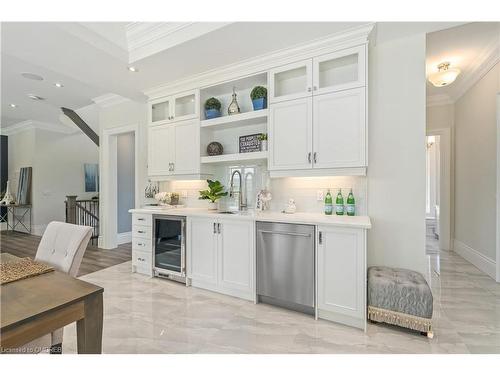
(63,246)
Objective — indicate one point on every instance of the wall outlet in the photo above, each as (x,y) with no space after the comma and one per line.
(320,196)
(184,194)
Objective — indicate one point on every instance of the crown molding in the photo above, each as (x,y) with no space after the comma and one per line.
(147,38)
(32,125)
(109,100)
(437,100)
(481,66)
(347,38)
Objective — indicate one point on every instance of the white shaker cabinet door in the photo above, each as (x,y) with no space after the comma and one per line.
(187,148)
(202,252)
(160,150)
(339,129)
(290,135)
(341,273)
(236,258)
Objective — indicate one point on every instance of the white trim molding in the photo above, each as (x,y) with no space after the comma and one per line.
(109,100)
(122,238)
(32,124)
(347,38)
(481,261)
(147,38)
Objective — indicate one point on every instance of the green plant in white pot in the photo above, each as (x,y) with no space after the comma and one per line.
(214,192)
(263,141)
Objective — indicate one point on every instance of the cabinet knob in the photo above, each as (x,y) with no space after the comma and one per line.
(309,158)
(308,89)
(315,158)
(315,88)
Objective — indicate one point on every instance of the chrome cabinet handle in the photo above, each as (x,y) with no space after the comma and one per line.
(215,228)
(308,89)
(173,166)
(320,238)
(315,88)
(140,231)
(141,219)
(218,228)
(286,233)
(309,158)
(315,158)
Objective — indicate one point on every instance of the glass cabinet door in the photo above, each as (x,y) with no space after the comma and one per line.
(291,81)
(185,106)
(160,110)
(339,70)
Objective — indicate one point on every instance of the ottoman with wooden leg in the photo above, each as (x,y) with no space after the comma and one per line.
(400,297)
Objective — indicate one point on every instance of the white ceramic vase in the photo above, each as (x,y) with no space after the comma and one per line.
(263,145)
(212,205)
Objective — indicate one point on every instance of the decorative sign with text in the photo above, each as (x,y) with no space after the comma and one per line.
(249,143)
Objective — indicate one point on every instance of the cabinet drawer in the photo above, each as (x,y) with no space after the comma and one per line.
(141,231)
(141,259)
(142,219)
(141,244)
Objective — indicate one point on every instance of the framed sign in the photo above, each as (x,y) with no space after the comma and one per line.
(250,143)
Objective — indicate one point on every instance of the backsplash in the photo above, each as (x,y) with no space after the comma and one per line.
(303,189)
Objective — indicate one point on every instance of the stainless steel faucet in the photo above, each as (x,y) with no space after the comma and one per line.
(242,203)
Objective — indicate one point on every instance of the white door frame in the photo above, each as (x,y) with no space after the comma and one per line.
(497,260)
(444,187)
(108,216)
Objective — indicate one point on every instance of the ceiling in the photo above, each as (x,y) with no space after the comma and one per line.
(91,58)
(473,48)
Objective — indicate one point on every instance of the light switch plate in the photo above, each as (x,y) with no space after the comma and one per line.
(320,195)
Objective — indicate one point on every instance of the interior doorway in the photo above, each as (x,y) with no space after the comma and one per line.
(119,184)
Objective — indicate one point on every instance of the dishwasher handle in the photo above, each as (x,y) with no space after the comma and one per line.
(285,233)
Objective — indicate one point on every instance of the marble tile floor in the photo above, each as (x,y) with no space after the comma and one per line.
(144,315)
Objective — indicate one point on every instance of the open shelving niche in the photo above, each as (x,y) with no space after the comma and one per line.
(227,129)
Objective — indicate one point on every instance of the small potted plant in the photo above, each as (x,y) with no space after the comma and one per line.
(212,108)
(263,141)
(214,192)
(259,97)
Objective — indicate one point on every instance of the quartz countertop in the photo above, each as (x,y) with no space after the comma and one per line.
(362,222)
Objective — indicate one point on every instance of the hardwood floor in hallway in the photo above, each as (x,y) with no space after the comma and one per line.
(95,259)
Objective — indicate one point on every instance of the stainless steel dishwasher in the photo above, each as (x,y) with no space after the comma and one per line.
(285,265)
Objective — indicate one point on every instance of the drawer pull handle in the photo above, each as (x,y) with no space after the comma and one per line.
(141,219)
(141,244)
(140,231)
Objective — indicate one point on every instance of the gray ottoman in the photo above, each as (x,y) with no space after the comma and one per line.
(400,297)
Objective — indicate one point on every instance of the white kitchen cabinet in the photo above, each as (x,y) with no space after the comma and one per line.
(290,81)
(221,256)
(174,149)
(236,258)
(202,252)
(341,275)
(339,129)
(142,253)
(183,106)
(290,135)
(341,70)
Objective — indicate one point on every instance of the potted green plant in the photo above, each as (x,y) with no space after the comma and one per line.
(214,192)
(212,108)
(259,97)
(263,141)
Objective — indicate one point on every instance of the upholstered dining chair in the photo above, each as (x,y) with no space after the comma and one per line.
(62,246)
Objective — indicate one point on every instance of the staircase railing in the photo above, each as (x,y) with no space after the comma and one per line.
(83,212)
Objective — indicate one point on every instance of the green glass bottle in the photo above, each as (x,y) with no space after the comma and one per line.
(328,203)
(351,204)
(339,203)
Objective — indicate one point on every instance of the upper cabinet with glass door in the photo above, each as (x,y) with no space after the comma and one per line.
(178,107)
(336,71)
(292,81)
(340,70)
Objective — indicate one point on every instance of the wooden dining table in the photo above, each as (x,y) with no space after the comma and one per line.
(38,305)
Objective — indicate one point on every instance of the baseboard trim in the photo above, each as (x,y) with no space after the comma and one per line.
(481,261)
(122,238)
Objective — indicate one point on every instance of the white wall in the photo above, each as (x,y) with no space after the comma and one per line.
(125,180)
(475,166)
(396,171)
(57,160)
(440,117)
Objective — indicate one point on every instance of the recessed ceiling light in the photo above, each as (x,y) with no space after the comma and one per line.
(133,69)
(12,105)
(58,84)
(35,97)
(32,76)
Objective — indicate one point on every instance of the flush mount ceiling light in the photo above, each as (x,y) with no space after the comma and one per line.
(58,84)
(444,76)
(34,77)
(133,69)
(12,105)
(35,97)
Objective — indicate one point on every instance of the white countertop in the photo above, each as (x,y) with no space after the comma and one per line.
(296,218)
